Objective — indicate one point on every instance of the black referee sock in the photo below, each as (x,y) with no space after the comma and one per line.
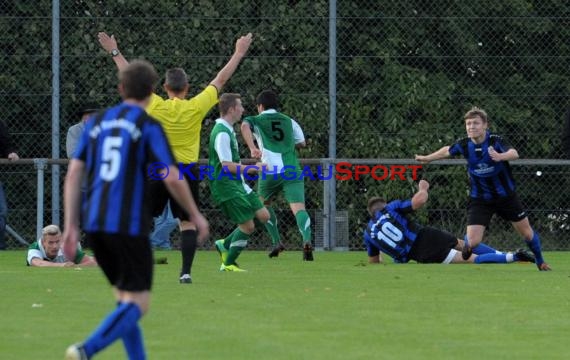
(189,242)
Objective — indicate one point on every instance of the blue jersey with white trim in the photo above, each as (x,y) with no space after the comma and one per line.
(117,146)
(391,232)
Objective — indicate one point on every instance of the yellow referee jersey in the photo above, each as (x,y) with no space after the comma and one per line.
(181,120)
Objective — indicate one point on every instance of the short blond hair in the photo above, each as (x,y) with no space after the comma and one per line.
(476,112)
(51,230)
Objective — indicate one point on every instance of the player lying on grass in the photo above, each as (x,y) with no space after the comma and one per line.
(47,251)
(391,231)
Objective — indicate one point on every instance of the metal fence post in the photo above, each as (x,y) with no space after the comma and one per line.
(55,113)
(331,194)
(326,205)
(40,165)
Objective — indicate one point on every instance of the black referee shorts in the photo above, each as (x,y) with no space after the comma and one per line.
(159,195)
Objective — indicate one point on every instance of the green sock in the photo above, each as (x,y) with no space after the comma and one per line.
(304,224)
(228,239)
(238,243)
(271,226)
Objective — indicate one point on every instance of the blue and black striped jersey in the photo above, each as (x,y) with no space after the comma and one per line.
(117,146)
(488,179)
(391,232)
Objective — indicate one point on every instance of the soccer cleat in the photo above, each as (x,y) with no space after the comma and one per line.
(543,267)
(233,268)
(466,252)
(276,250)
(221,250)
(186,279)
(523,255)
(75,352)
(308,252)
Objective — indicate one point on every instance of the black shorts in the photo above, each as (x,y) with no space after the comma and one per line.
(159,195)
(480,212)
(125,260)
(432,245)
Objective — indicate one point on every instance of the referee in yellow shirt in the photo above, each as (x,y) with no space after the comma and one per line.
(181,120)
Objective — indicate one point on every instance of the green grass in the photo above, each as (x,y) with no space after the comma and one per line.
(337,307)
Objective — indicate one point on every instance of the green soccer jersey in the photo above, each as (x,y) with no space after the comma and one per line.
(276,136)
(224,147)
(36,250)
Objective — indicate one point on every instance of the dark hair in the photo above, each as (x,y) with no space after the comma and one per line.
(375,203)
(267,98)
(138,80)
(227,101)
(176,79)
(88,108)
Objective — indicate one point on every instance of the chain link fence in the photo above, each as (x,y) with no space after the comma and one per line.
(392,78)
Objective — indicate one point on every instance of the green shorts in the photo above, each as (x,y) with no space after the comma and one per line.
(241,209)
(294,189)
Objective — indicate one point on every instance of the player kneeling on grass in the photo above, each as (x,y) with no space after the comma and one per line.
(390,231)
(47,251)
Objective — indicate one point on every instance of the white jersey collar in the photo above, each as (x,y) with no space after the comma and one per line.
(225,123)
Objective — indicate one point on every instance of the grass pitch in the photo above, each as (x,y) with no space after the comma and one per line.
(337,307)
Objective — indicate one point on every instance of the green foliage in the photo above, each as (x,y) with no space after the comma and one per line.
(406,70)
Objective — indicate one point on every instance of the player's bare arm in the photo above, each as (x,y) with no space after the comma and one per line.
(248,138)
(88,261)
(243,169)
(439,154)
(43,263)
(242,45)
(109,44)
(421,197)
